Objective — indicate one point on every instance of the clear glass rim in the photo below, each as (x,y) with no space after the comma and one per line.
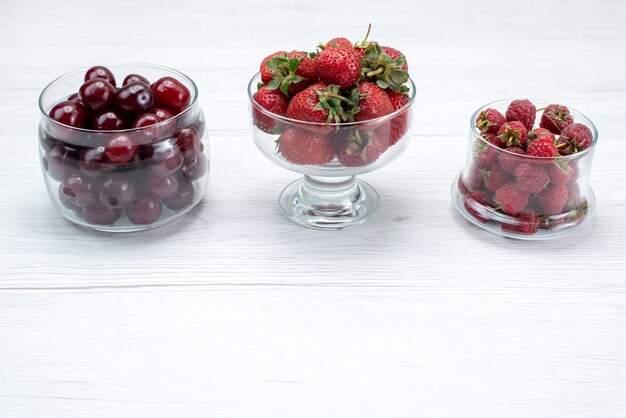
(478,136)
(251,86)
(179,116)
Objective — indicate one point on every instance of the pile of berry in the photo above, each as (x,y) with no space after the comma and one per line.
(526,172)
(138,172)
(339,83)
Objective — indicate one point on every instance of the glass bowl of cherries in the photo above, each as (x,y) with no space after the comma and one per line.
(126,156)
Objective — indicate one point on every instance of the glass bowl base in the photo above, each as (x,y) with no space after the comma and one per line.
(494,225)
(329,203)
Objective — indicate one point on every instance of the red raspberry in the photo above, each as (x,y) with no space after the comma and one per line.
(542,148)
(496,178)
(523,111)
(513,134)
(574,199)
(578,135)
(553,199)
(540,133)
(562,172)
(489,121)
(485,155)
(511,199)
(531,178)
(462,187)
(526,223)
(555,118)
(474,179)
(474,202)
(509,159)
(493,140)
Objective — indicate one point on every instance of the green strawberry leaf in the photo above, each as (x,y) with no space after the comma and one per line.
(274,84)
(382,84)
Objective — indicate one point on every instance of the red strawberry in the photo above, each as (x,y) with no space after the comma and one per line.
(378,67)
(511,199)
(357,148)
(513,134)
(474,204)
(553,199)
(305,148)
(523,111)
(578,136)
(306,70)
(394,54)
(540,133)
(373,102)
(338,66)
(339,43)
(509,159)
(266,73)
(304,105)
(542,147)
(531,178)
(555,118)
(399,124)
(292,72)
(562,172)
(489,121)
(496,177)
(272,100)
(526,223)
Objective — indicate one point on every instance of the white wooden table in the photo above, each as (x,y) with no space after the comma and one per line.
(236,312)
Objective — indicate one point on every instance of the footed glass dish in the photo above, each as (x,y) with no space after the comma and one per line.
(329,196)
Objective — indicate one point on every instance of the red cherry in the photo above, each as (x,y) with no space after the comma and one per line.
(120,149)
(70,113)
(196,167)
(65,201)
(100,72)
(132,78)
(182,198)
(134,98)
(144,211)
(93,162)
(73,98)
(161,186)
(147,135)
(171,93)
(97,94)
(59,161)
(111,120)
(98,214)
(189,142)
(166,159)
(162,113)
(79,189)
(117,190)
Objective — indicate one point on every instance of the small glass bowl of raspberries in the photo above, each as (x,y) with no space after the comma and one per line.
(123,147)
(331,114)
(527,170)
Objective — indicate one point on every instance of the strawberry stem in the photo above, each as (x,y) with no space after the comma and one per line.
(374,73)
(338,96)
(369,28)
